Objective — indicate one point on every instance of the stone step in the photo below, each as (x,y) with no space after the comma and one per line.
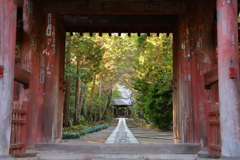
(117,157)
(32,158)
(112,157)
(119,148)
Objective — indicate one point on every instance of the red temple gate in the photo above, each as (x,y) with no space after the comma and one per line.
(205,62)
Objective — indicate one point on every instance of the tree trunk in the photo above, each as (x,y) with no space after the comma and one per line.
(100,93)
(91,99)
(85,103)
(81,97)
(107,105)
(100,85)
(77,97)
(66,109)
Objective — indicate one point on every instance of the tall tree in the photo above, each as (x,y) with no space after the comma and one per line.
(154,78)
(77,95)
(88,55)
(107,105)
(91,98)
(66,108)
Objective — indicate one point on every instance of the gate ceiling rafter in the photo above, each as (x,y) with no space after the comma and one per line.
(114,16)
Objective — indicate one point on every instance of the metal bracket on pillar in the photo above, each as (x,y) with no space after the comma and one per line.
(1,71)
(232,73)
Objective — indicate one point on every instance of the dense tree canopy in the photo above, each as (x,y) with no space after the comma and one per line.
(100,64)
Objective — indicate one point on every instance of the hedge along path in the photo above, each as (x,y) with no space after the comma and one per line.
(72,135)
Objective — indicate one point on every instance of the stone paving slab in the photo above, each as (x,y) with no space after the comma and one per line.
(121,134)
(147,136)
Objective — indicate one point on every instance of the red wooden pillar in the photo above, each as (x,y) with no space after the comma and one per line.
(176,66)
(29,48)
(228,62)
(8,14)
(50,123)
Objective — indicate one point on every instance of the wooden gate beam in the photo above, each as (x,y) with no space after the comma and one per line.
(228,88)
(148,23)
(19,3)
(211,77)
(119,7)
(7,57)
(22,76)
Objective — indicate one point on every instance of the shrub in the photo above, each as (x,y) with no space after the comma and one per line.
(72,135)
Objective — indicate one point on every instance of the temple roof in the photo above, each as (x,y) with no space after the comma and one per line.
(122,102)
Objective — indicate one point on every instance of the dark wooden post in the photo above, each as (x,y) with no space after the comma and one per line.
(52,109)
(228,62)
(7,57)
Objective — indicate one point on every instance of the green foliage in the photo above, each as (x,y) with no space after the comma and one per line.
(153,81)
(116,93)
(88,53)
(142,64)
(72,135)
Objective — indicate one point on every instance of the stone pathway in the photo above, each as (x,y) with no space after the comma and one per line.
(121,145)
(121,134)
(150,136)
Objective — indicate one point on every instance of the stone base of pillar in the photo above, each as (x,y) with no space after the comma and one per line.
(230,158)
(203,153)
(177,141)
(6,158)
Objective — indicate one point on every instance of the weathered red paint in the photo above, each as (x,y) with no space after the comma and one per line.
(7,57)
(203,57)
(51,111)
(182,88)
(27,50)
(228,88)
(193,56)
